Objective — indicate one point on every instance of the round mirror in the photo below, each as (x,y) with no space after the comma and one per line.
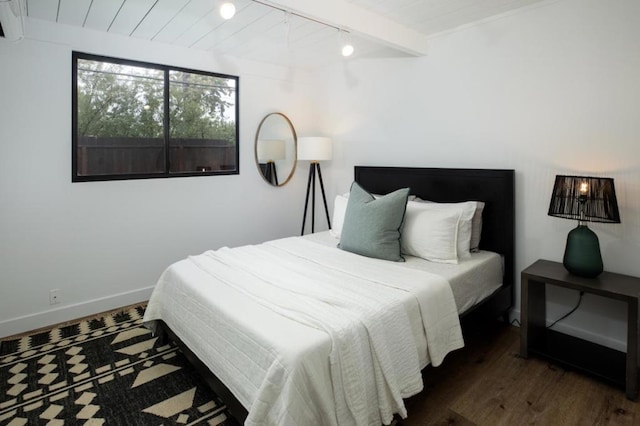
(276,149)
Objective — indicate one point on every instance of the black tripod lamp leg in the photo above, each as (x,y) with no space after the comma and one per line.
(324,197)
(313,198)
(274,173)
(306,201)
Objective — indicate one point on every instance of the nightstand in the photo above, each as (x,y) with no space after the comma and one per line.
(602,362)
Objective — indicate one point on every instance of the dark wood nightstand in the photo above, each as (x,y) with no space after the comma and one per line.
(605,363)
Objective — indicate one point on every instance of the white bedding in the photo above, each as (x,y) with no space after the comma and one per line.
(262,336)
(472,279)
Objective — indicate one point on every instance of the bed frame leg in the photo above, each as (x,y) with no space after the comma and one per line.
(161,333)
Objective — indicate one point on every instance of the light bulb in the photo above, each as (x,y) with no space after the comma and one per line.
(583,187)
(227,10)
(347,50)
(346,47)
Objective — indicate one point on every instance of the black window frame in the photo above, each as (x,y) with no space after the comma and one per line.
(166,69)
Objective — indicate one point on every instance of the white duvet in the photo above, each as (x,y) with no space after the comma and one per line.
(307,334)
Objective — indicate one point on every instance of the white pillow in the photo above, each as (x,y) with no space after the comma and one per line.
(466,210)
(339,210)
(476,228)
(431,234)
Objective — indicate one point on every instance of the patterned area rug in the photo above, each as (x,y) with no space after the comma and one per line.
(109,371)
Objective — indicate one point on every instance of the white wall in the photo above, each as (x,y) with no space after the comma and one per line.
(104,244)
(547,90)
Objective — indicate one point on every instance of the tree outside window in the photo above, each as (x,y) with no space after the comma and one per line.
(139,120)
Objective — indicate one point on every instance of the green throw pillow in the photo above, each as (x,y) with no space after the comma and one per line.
(372,226)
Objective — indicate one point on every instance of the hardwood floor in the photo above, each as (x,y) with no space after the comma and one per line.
(487,383)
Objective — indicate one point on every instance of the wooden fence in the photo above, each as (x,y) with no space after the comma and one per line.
(107,156)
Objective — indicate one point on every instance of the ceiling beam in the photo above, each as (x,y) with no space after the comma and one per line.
(359,21)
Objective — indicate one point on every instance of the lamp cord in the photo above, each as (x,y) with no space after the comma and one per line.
(570,312)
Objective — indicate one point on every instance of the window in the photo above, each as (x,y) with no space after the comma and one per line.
(139,120)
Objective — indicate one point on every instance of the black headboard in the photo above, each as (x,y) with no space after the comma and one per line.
(494,187)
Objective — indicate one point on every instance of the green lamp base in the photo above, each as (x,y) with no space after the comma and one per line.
(582,253)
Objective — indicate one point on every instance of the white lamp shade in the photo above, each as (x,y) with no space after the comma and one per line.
(314,148)
(271,150)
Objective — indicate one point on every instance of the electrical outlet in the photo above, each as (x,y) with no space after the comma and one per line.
(54,296)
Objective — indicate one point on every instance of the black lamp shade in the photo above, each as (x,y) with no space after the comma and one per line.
(598,201)
(586,199)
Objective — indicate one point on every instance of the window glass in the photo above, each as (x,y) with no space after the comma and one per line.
(202,122)
(120,119)
(135,120)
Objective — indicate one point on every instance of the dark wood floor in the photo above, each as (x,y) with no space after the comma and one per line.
(487,383)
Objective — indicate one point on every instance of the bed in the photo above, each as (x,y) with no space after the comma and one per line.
(277,355)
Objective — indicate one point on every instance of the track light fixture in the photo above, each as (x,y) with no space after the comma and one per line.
(346,48)
(287,28)
(227,10)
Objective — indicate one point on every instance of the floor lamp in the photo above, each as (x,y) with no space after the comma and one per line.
(268,152)
(314,149)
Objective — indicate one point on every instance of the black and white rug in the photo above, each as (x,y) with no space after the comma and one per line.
(106,371)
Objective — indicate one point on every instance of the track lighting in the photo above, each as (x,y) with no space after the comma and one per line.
(345,47)
(227,10)
(347,50)
(287,28)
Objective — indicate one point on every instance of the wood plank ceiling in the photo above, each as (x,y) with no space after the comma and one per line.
(301,33)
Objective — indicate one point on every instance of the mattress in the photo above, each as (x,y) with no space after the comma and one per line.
(472,280)
(279,369)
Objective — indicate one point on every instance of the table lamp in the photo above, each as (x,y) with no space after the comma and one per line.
(585,199)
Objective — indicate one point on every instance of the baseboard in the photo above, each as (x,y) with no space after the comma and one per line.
(581,333)
(38,320)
